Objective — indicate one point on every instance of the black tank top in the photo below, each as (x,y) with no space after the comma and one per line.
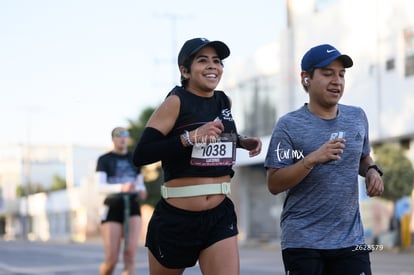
(194,112)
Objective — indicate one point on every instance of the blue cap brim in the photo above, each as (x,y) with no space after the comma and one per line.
(345,59)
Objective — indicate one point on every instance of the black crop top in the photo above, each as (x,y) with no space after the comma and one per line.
(194,112)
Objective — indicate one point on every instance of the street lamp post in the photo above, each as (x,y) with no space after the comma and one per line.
(27,173)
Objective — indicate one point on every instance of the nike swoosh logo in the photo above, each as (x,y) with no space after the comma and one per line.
(329,51)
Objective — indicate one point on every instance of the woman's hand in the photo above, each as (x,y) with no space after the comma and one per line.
(209,132)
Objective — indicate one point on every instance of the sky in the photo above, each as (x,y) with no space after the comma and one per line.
(72,70)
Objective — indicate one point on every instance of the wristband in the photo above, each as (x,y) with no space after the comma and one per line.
(187,139)
(238,145)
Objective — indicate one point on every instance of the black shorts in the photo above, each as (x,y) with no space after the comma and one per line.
(176,236)
(114,210)
(344,261)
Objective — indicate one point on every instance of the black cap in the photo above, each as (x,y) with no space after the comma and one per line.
(193,46)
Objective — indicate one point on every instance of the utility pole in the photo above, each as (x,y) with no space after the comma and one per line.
(27,176)
(291,53)
(173,18)
(378,68)
(27,173)
(173,21)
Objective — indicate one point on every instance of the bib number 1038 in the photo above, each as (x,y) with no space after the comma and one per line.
(213,154)
(214,150)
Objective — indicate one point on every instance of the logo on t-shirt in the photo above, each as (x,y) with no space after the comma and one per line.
(226,113)
(288,153)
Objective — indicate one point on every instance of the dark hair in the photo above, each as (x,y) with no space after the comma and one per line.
(310,73)
(187,66)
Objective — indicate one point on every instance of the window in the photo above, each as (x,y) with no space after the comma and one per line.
(390,64)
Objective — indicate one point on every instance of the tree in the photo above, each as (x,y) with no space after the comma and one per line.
(29,189)
(58,183)
(136,128)
(398,171)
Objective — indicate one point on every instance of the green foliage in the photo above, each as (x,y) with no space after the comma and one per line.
(398,171)
(137,127)
(29,189)
(154,189)
(58,183)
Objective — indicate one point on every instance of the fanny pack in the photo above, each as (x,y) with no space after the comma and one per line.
(195,190)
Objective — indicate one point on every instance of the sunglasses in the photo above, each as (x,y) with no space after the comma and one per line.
(121,134)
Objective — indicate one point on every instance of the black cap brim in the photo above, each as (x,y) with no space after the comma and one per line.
(222,50)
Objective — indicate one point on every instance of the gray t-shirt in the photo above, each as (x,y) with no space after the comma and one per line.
(322,211)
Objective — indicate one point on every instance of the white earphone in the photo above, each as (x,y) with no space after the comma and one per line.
(306,80)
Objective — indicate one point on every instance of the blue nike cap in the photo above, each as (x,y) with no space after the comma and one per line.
(322,55)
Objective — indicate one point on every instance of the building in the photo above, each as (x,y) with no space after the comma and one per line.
(45,215)
(377,34)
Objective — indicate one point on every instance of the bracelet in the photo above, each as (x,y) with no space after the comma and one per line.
(187,139)
(304,165)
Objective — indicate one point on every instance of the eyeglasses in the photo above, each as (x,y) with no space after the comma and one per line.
(121,134)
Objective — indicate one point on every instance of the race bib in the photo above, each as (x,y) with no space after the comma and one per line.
(219,153)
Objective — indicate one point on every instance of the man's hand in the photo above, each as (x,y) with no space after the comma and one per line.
(252,144)
(374,183)
(329,151)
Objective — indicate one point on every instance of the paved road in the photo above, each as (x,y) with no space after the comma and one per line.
(18,258)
